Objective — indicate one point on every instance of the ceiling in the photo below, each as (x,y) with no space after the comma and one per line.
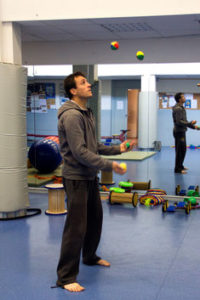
(111,29)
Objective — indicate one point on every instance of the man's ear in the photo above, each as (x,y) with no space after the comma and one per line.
(73,91)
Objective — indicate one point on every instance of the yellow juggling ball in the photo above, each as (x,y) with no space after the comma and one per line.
(124,166)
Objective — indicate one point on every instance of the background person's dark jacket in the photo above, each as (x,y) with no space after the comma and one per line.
(180,119)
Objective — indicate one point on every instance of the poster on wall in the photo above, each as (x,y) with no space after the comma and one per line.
(120,105)
(40,97)
(50,95)
(106,103)
(38,105)
(29,96)
(166,101)
(62,96)
(172,101)
(190,102)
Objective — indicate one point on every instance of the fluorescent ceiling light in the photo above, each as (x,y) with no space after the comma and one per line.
(120,69)
(150,69)
(53,70)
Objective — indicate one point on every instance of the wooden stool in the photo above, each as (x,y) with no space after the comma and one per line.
(123,198)
(141,185)
(56,198)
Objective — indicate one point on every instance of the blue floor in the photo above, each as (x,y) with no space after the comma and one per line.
(154,256)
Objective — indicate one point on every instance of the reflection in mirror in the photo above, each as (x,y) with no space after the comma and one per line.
(118,113)
(44,96)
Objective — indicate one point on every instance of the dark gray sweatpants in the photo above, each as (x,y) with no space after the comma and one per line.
(82,230)
(180,150)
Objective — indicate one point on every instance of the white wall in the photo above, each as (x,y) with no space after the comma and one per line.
(62,9)
(178,85)
(172,50)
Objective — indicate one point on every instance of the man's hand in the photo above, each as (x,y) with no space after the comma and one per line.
(193,122)
(117,168)
(126,146)
(197,127)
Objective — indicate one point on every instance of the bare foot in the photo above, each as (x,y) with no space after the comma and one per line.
(183,172)
(103,262)
(74,287)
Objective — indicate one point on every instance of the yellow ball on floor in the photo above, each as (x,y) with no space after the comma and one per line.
(124,166)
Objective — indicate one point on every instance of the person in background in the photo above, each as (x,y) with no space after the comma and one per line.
(179,132)
(82,161)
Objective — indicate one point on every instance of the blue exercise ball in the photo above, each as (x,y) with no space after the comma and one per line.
(44,155)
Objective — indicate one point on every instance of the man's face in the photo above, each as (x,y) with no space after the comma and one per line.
(83,88)
(182,99)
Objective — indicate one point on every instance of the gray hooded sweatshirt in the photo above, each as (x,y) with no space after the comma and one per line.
(78,144)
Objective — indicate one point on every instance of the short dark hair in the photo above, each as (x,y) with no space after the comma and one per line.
(70,83)
(178,96)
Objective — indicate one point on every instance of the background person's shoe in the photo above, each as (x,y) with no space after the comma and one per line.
(180,172)
(183,172)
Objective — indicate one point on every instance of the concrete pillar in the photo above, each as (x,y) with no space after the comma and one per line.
(11,43)
(106,105)
(13,154)
(147,125)
(1,39)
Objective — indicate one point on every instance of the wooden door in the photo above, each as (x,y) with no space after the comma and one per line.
(132,120)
